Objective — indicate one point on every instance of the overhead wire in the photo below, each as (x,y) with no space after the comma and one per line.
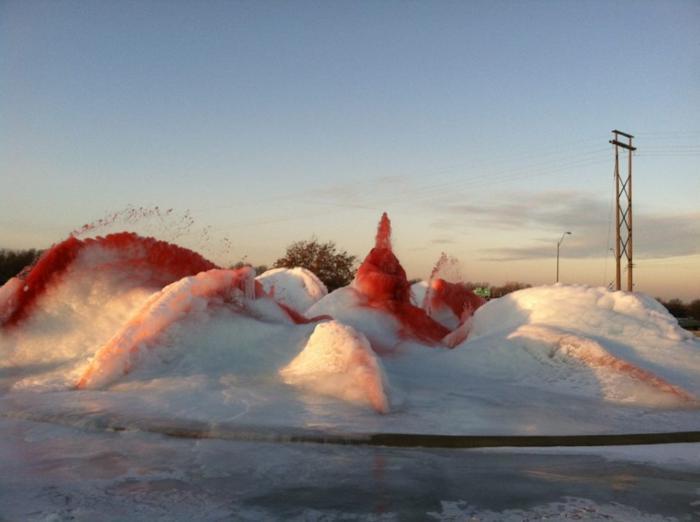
(446,179)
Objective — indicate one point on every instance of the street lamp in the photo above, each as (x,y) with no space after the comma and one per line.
(559,245)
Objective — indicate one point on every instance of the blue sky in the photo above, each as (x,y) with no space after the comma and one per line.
(482,127)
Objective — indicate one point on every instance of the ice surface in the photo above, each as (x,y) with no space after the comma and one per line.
(569,508)
(55,473)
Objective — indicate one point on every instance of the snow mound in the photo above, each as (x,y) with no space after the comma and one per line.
(235,288)
(70,319)
(589,310)
(352,308)
(297,288)
(626,347)
(214,346)
(338,361)
(620,381)
(136,260)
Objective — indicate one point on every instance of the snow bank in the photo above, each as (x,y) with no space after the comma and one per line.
(339,361)
(297,288)
(9,297)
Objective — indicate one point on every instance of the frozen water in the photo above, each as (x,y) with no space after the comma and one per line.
(214,347)
(53,473)
(211,353)
(297,287)
(339,361)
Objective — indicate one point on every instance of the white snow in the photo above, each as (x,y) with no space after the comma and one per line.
(297,288)
(188,295)
(545,360)
(7,297)
(418,291)
(200,353)
(349,306)
(589,310)
(339,361)
(622,343)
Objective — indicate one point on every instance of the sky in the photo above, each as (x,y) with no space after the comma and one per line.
(482,128)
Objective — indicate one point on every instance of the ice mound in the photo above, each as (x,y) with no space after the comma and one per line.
(144,328)
(631,348)
(620,381)
(382,304)
(451,304)
(297,288)
(381,285)
(352,308)
(56,313)
(232,288)
(134,260)
(589,310)
(446,299)
(338,361)
(418,291)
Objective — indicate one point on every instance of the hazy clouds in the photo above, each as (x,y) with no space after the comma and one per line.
(543,217)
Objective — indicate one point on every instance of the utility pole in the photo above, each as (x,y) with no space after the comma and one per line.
(623,210)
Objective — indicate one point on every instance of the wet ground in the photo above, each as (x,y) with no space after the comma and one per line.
(53,473)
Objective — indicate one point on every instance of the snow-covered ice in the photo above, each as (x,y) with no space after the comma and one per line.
(111,340)
(297,287)
(109,331)
(339,361)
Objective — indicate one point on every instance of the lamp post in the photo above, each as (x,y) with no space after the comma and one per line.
(559,245)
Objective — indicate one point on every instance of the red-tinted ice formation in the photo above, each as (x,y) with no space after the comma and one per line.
(462,301)
(441,293)
(236,289)
(382,279)
(171,304)
(156,262)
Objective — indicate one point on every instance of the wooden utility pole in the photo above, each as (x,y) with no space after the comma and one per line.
(623,210)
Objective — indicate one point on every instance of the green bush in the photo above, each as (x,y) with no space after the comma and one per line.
(334,268)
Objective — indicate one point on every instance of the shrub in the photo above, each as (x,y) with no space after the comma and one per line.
(334,268)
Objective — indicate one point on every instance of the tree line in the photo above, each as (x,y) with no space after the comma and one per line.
(679,309)
(12,262)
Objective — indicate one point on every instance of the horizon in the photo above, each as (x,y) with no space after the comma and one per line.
(269,123)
